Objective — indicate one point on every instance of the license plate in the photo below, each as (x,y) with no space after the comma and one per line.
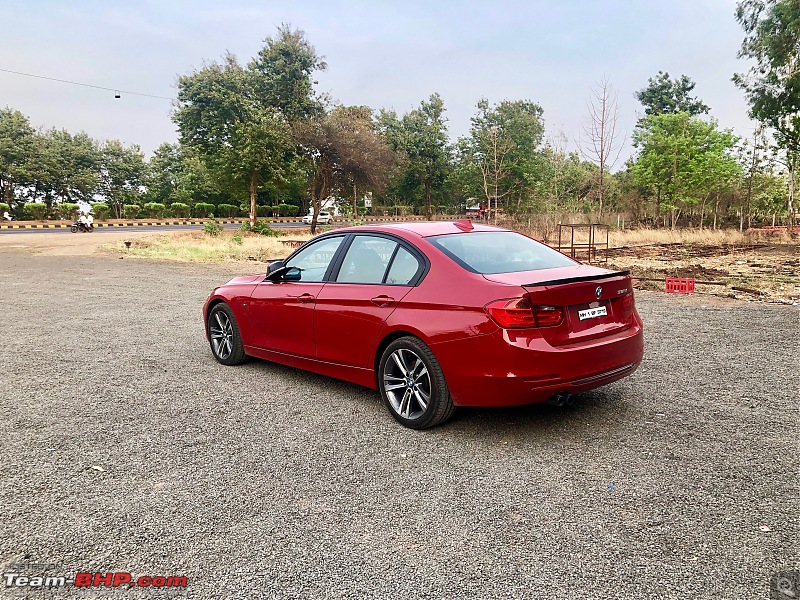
(591,313)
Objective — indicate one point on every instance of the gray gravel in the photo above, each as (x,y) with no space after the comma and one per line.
(264,481)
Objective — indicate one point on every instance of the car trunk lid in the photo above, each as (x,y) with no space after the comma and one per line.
(595,302)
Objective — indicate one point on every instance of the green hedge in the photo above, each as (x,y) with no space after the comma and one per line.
(228,210)
(4,208)
(180,210)
(36,210)
(131,211)
(101,210)
(285,210)
(67,211)
(203,210)
(154,210)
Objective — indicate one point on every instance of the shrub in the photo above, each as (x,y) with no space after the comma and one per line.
(36,210)
(263,211)
(212,228)
(67,211)
(154,210)
(180,210)
(131,211)
(237,239)
(261,228)
(286,210)
(4,208)
(203,210)
(227,210)
(101,210)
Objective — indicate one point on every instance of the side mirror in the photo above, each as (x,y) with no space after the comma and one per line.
(274,266)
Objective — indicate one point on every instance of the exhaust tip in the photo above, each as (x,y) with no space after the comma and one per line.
(561,400)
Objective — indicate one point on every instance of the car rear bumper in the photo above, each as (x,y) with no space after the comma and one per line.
(509,368)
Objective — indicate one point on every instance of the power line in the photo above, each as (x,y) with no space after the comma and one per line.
(98,87)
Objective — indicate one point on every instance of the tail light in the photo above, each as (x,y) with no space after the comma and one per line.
(518,312)
(627,302)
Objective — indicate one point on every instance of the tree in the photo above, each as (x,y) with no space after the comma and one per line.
(65,167)
(772,85)
(342,150)
(665,95)
(503,143)
(239,120)
(16,149)
(122,174)
(684,161)
(421,137)
(601,142)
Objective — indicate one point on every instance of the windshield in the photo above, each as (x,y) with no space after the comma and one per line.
(489,252)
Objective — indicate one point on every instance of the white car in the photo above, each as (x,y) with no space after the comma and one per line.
(323,219)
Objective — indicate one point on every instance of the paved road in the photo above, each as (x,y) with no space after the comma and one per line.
(142,228)
(125,447)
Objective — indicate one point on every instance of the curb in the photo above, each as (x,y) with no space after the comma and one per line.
(197,222)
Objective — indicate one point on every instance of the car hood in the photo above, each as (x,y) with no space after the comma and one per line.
(522,278)
(247,279)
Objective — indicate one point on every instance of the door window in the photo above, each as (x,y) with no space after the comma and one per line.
(366,260)
(313,261)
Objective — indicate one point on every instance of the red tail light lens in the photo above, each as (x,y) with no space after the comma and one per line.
(627,302)
(548,316)
(518,312)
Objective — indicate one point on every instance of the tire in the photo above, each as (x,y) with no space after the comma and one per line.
(73,229)
(408,372)
(224,337)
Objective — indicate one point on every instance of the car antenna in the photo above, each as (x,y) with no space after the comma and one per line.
(464,224)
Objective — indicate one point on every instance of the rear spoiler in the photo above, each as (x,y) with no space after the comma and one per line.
(577,279)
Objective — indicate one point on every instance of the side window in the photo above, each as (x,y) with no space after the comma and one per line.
(313,261)
(366,260)
(404,268)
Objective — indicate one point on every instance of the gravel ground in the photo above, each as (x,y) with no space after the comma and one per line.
(263,481)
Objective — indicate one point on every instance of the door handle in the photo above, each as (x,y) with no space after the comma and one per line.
(382,300)
(306,298)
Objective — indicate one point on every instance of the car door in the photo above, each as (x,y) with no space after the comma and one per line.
(375,274)
(282,311)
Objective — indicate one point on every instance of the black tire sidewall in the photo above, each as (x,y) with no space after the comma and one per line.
(237,355)
(438,395)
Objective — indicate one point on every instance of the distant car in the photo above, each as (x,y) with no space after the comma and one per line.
(323,219)
(435,316)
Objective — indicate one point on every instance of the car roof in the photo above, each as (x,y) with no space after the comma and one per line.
(426,228)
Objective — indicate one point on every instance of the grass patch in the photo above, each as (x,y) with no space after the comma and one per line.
(196,246)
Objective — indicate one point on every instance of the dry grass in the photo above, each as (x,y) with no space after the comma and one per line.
(705,237)
(197,246)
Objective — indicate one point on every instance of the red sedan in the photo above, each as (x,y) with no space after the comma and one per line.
(435,316)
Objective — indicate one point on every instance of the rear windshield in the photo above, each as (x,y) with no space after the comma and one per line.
(489,252)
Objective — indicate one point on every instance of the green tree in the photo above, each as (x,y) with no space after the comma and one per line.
(504,145)
(421,138)
(665,95)
(16,149)
(65,167)
(772,85)
(122,175)
(684,161)
(239,119)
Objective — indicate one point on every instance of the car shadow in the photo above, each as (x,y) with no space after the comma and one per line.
(604,407)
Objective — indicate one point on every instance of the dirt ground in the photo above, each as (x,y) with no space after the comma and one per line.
(757,272)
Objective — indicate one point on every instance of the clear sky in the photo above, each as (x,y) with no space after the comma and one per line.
(380,54)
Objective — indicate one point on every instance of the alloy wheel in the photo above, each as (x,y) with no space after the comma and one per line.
(220,330)
(407,383)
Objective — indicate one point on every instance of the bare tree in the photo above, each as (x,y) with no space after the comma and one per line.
(602,143)
(494,164)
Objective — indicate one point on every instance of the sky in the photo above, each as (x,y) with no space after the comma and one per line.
(381,54)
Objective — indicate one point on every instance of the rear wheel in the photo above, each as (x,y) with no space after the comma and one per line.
(224,336)
(73,229)
(412,384)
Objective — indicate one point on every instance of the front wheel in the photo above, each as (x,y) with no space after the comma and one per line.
(73,229)
(224,336)
(412,384)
